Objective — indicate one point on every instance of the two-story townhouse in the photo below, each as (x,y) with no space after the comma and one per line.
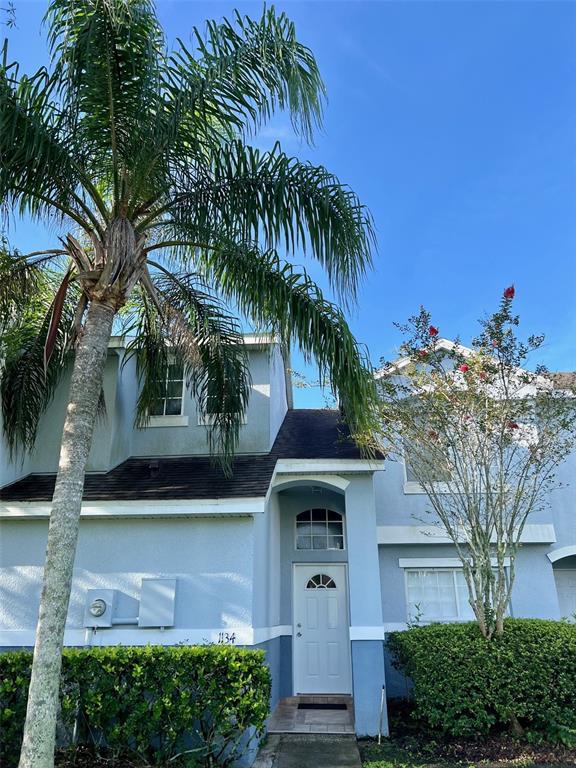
(308,551)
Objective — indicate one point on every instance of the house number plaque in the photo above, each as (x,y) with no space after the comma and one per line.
(225,638)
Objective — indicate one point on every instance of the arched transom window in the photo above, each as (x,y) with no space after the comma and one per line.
(319,528)
(321,581)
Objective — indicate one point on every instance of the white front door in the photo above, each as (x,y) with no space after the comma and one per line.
(566,587)
(321,638)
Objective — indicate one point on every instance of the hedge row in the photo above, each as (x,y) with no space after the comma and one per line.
(151,702)
(465,685)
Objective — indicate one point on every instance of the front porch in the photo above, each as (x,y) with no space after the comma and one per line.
(313,714)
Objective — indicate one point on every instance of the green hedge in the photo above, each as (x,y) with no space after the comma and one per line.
(465,685)
(152,702)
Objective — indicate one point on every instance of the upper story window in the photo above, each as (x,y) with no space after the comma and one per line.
(172,401)
(437,594)
(319,528)
(213,406)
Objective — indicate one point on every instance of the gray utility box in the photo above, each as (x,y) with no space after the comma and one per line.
(157,602)
(99,608)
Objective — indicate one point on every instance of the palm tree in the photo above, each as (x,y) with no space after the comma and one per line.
(139,157)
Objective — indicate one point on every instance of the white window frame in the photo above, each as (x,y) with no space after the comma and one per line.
(413,487)
(446,564)
(171,419)
(343,521)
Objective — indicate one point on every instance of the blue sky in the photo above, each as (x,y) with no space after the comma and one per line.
(455,122)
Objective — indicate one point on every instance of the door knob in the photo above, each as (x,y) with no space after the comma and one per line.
(298,634)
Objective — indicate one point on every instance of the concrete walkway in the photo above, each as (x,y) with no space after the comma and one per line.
(309,751)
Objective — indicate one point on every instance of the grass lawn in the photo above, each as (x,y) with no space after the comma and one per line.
(391,755)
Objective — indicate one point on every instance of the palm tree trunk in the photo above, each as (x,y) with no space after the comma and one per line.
(85,387)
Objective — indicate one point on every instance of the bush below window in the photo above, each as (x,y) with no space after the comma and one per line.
(466,685)
(152,703)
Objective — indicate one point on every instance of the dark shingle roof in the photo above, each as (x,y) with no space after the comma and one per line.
(304,434)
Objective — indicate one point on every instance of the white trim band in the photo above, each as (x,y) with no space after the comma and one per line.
(176,420)
(534,533)
(330,466)
(367,633)
(440,562)
(130,636)
(558,554)
(143,508)
(281,481)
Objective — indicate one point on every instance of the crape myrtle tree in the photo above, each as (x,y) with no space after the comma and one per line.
(139,158)
(483,437)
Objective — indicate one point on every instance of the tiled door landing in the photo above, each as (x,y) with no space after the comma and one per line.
(287,718)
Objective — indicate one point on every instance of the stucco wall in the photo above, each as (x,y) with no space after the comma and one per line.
(109,446)
(277,392)
(115,437)
(534,593)
(11,468)
(563,504)
(395,507)
(292,502)
(266,605)
(124,410)
(192,439)
(211,558)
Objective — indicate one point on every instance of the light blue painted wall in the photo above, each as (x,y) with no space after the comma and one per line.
(292,502)
(115,437)
(212,559)
(192,439)
(395,507)
(279,659)
(563,504)
(533,595)
(266,596)
(364,582)
(278,399)
(125,408)
(111,442)
(11,470)
(365,606)
(368,681)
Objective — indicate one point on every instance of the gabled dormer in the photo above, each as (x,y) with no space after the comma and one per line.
(176,428)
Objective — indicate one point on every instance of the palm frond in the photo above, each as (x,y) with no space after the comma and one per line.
(244,71)
(240,73)
(291,304)
(251,195)
(184,325)
(107,55)
(19,283)
(27,381)
(37,172)
(144,327)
